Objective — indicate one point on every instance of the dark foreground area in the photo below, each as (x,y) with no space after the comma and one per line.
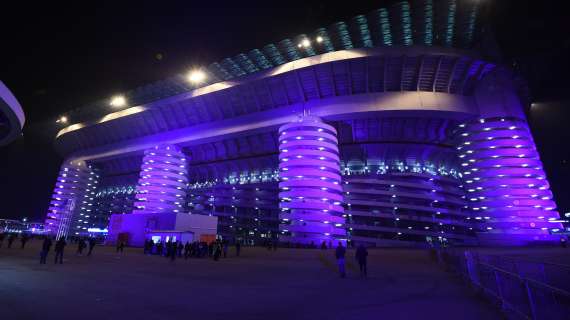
(260,284)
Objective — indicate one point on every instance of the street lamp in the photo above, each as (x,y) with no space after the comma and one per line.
(62,119)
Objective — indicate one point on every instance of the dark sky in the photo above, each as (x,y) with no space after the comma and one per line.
(57,56)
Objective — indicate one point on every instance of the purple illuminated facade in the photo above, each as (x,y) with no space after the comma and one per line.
(392,129)
(72,201)
(504,179)
(310,183)
(163,181)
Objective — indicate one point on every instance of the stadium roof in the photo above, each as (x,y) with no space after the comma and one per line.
(441,23)
(11,116)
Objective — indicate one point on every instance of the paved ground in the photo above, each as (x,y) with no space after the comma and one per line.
(286,284)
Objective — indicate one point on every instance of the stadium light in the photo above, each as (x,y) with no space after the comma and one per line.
(118,101)
(197,76)
(319,39)
(62,119)
(305,43)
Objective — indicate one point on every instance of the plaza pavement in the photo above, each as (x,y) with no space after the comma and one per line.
(260,284)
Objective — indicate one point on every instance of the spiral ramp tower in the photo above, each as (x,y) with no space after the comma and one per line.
(310,183)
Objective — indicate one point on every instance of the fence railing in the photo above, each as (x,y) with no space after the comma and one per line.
(522,289)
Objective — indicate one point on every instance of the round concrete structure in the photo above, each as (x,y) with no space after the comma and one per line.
(11,116)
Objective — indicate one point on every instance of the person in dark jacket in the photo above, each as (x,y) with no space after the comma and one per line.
(145,247)
(80,246)
(45,250)
(362,257)
(24,239)
(187,248)
(340,253)
(11,240)
(92,244)
(225,245)
(59,246)
(159,248)
(151,246)
(171,251)
(168,248)
(121,246)
(217,250)
(238,248)
(179,249)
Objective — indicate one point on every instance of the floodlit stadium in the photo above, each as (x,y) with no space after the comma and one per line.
(391,129)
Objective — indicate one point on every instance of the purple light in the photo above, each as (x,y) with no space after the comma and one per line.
(512,192)
(162,180)
(311,195)
(67,204)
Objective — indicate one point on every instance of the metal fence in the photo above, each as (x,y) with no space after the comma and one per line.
(523,289)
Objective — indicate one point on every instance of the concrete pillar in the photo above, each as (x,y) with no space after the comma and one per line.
(504,178)
(310,187)
(71,199)
(163,181)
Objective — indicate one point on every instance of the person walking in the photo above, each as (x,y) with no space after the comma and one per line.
(238,248)
(92,244)
(159,248)
(45,250)
(59,247)
(11,239)
(120,246)
(217,247)
(226,245)
(145,246)
(361,256)
(2,235)
(210,249)
(179,248)
(23,240)
(80,246)
(187,248)
(340,253)
(172,251)
(168,248)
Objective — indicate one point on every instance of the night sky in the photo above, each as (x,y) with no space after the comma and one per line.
(59,56)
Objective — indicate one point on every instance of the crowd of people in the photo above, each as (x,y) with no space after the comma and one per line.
(361,257)
(47,243)
(60,245)
(196,249)
(12,237)
(176,249)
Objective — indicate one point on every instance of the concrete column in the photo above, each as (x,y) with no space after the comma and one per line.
(71,199)
(163,181)
(310,188)
(503,175)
